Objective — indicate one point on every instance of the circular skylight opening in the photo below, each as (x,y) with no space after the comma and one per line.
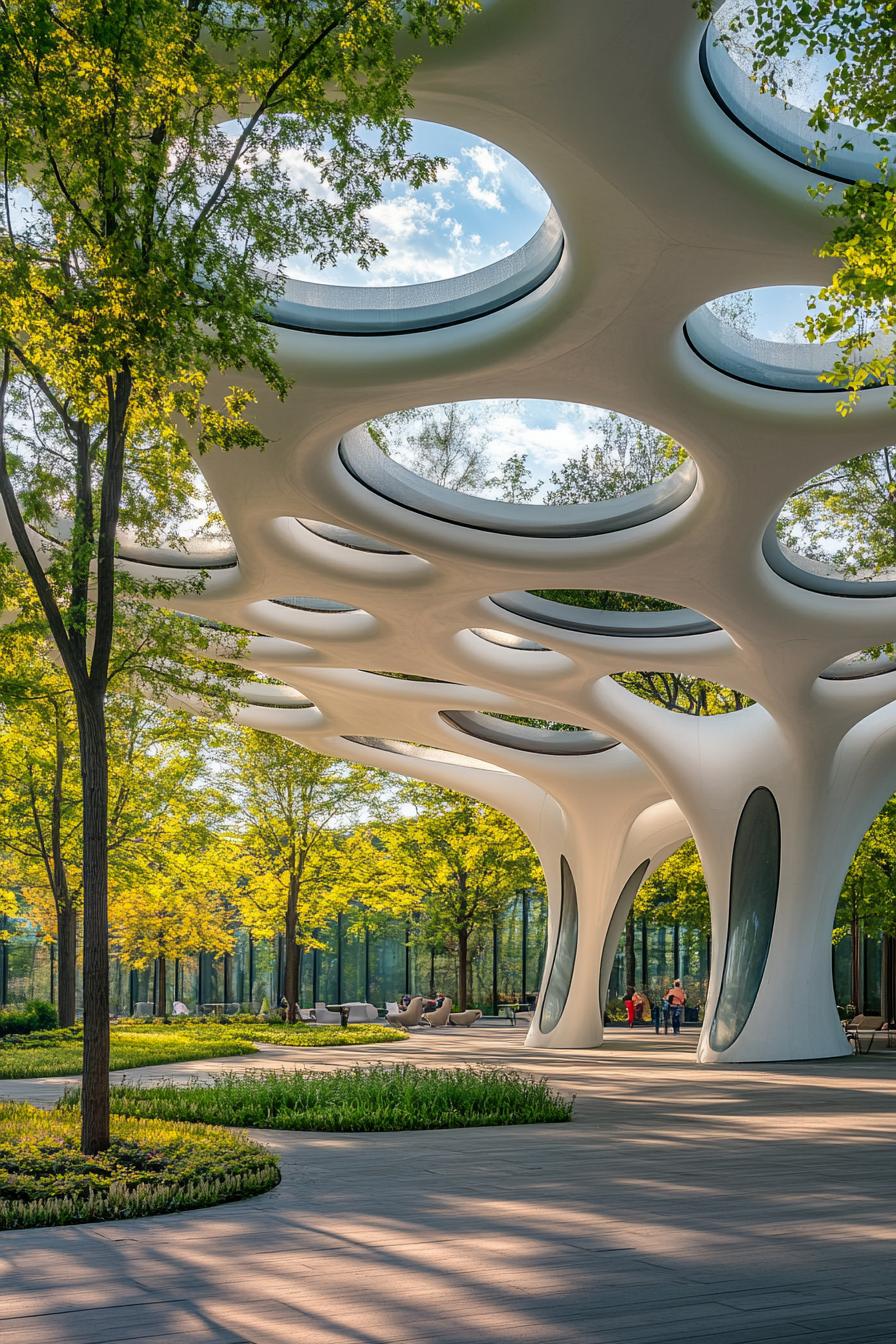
(321,604)
(683,693)
(479,237)
(772,101)
(525,468)
(528,451)
(263,692)
(756,337)
(593,611)
(534,736)
(484,206)
(837,533)
(859,666)
(416,750)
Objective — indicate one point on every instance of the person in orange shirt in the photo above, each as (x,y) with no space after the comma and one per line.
(676,999)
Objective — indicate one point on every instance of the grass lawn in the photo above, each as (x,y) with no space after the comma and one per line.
(352,1100)
(151,1166)
(48,1054)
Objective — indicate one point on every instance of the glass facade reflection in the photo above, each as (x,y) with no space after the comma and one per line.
(564,962)
(384,962)
(753,900)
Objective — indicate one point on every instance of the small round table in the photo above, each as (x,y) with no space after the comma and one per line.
(343,1009)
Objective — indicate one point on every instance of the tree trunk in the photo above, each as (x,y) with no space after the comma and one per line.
(856,964)
(462,961)
(66,915)
(95,786)
(66,961)
(227,976)
(161,1003)
(291,968)
(630,952)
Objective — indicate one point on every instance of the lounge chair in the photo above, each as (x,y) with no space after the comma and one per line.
(323,1015)
(362,1012)
(408,1017)
(439,1016)
(465,1019)
(861,1024)
(144,1009)
(179,1009)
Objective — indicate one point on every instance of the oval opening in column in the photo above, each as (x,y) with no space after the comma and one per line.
(753,899)
(615,927)
(564,960)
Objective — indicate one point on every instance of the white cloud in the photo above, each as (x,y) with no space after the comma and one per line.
(304,174)
(487,197)
(486,159)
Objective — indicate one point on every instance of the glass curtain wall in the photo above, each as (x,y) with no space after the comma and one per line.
(380,963)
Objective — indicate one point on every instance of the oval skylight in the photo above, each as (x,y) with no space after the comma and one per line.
(837,533)
(776,111)
(484,206)
(754,336)
(596,612)
(523,468)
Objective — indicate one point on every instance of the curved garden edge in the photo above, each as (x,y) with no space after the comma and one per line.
(174,1146)
(137,1044)
(150,1167)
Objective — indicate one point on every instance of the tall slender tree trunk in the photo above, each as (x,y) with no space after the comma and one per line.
(66,915)
(291,968)
(95,786)
(856,964)
(160,1006)
(630,951)
(66,961)
(463,957)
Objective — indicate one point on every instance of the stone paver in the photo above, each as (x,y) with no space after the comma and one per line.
(682,1203)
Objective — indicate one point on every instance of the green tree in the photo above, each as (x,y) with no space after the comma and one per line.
(867,902)
(846,515)
(154,756)
(445,444)
(852,45)
(455,863)
(624,455)
(142,239)
(174,896)
(676,892)
(294,807)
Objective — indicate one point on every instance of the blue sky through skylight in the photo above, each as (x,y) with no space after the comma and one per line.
(483,207)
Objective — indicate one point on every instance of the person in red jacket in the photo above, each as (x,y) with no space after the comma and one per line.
(629,1002)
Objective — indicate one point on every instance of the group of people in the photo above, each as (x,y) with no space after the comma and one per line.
(434,1001)
(669,1009)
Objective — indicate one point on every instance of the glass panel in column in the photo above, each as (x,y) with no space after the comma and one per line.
(564,960)
(753,899)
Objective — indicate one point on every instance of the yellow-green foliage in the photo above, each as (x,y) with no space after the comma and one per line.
(136,1044)
(151,1166)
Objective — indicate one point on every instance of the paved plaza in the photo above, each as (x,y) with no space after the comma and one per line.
(682,1203)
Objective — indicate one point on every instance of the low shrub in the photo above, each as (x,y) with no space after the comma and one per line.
(23,1019)
(298,1034)
(150,1167)
(351,1100)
